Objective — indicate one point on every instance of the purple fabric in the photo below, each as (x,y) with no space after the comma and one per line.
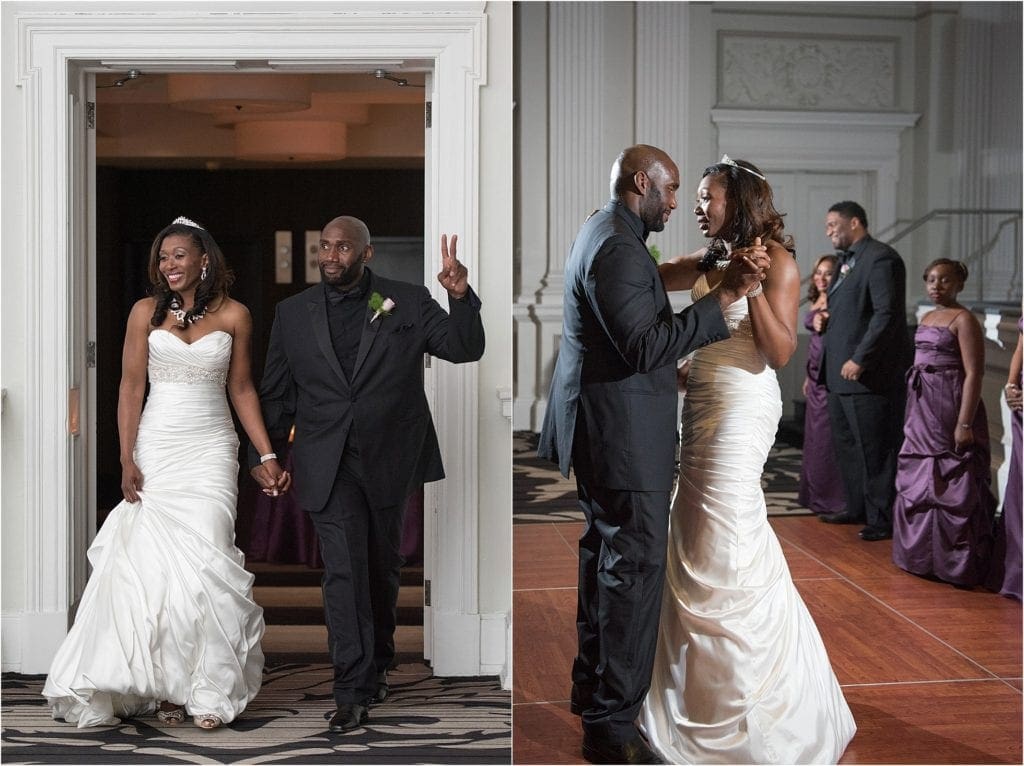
(1006,564)
(944,509)
(282,533)
(821,487)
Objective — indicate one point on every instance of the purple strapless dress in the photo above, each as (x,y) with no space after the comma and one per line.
(1006,563)
(944,509)
(821,487)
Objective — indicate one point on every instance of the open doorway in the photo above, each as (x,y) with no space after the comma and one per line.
(262,161)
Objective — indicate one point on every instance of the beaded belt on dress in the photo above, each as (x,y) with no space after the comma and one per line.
(186,373)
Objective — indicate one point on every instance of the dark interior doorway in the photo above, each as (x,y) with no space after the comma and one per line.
(242,209)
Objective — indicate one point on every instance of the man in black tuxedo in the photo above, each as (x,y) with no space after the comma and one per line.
(867,351)
(345,366)
(612,415)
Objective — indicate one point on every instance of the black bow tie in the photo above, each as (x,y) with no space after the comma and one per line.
(844,255)
(336,296)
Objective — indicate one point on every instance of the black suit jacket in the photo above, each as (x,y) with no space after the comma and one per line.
(384,403)
(615,379)
(868,322)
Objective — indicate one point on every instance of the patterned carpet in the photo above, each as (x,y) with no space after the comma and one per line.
(541,494)
(426,720)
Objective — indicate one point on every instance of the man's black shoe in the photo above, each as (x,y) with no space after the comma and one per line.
(383,690)
(600,750)
(843,517)
(348,717)
(873,534)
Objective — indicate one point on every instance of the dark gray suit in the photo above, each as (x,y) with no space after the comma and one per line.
(362,446)
(868,324)
(611,414)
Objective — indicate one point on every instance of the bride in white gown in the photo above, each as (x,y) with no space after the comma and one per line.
(167,617)
(741,674)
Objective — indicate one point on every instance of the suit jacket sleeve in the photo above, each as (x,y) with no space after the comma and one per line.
(625,286)
(886,308)
(277,391)
(456,337)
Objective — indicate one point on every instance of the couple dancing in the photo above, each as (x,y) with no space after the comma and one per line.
(167,620)
(690,629)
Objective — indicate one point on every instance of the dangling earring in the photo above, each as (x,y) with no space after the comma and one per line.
(202,275)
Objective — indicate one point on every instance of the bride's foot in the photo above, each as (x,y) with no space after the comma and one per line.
(170,714)
(207,721)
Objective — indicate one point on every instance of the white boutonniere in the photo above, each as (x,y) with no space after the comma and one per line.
(380,306)
(844,269)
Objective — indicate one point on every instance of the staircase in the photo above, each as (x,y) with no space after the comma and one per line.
(293,612)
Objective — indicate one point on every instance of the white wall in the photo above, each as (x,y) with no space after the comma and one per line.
(495,489)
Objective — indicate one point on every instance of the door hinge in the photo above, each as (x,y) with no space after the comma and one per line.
(90,354)
(90,115)
(428,114)
(426,593)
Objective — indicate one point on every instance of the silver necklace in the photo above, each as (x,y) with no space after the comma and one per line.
(179,312)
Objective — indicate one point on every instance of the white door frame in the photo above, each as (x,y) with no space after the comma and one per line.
(52,47)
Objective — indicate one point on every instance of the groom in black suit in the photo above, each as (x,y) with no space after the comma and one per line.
(867,351)
(345,366)
(612,415)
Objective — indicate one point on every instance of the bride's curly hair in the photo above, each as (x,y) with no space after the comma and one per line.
(218,276)
(750,198)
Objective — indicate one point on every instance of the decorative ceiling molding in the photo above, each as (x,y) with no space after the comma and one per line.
(796,72)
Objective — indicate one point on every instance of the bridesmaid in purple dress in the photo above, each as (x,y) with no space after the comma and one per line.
(1006,564)
(821,488)
(944,509)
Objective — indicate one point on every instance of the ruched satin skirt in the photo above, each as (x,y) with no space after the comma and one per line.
(167,613)
(741,674)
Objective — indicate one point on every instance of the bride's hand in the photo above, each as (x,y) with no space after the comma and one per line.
(747,267)
(756,254)
(131,482)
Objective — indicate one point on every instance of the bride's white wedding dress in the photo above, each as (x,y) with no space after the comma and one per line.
(741,674)
(167,613)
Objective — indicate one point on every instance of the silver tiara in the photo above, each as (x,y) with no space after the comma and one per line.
(727,160)
(187,222)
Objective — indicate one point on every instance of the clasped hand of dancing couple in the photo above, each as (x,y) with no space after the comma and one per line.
(694,645)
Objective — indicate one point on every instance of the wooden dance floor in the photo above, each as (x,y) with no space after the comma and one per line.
(932,673)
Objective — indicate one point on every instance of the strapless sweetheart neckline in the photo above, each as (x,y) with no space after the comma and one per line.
(197,340)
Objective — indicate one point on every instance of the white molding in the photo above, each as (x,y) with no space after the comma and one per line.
(450,38)
(825,141)
(30,639)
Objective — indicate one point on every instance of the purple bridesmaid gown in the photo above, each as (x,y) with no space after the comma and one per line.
(821,487)
(1006,564)
(944,509)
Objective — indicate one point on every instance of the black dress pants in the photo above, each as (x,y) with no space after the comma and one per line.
(866,433)
(360,548)
(621,574)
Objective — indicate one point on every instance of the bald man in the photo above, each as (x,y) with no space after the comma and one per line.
(611,416)
(345,366)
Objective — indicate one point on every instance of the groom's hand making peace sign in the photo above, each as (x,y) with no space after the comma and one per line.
(454,277)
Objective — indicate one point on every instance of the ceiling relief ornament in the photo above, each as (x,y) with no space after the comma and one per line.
(797,73)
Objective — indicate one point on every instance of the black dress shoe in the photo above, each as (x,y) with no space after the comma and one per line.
(872,534)
(600,750)
(348,717)
(843,517)
(383,690)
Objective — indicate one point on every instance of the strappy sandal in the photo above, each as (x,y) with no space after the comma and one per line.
(171,717)
(207,721)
